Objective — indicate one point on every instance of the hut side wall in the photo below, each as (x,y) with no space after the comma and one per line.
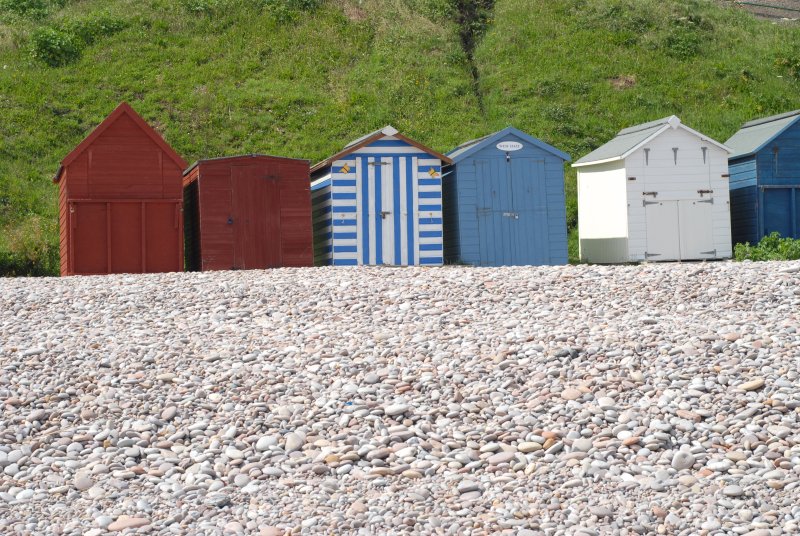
(322,221)
(603,213)
(744,200)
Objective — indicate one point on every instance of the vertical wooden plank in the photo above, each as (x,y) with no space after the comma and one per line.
(144,237)
(108,238)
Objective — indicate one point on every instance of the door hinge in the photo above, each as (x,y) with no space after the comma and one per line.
(514,215)
(654,194)
(379,163)
(648,255)
(703,192)
(710,201)
(645,203)
(712,252)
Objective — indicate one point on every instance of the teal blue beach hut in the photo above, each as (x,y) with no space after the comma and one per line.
(504,202)
(765,178)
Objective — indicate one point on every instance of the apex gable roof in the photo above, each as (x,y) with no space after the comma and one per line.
(123,108)
(755,135)
(471,147)
(363,141)
(630,139)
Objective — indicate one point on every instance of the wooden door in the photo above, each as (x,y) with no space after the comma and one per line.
(495,212)
(696,224)
(256,218)
(89,238)
(777,210)
(126,238)
(529,229)
(663,231)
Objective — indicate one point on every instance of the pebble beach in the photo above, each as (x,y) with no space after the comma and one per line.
(572,400)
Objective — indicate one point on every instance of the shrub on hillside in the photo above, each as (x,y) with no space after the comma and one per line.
(54,47)
(60,45)
(290,10)
(31,9)
(771,248)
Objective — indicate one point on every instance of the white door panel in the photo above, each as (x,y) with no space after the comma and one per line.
(696,226)
(663,240)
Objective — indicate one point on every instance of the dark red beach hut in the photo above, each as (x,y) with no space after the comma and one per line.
(120,200)
(248,212)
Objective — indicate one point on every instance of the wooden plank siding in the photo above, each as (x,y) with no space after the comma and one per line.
(505,208)
(251,211)
(120,201)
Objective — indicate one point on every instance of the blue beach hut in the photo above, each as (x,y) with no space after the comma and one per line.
(504,202)
(379,201)
(765,178)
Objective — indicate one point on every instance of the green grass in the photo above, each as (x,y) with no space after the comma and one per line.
(300,78)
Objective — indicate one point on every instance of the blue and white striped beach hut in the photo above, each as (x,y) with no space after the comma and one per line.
(379,201)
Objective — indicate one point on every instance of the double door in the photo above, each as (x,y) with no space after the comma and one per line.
(680,230)
(512,212)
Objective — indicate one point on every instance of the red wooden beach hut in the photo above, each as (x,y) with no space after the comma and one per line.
(120,200)
(248,212)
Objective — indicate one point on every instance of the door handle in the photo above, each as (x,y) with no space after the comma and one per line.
(230,221)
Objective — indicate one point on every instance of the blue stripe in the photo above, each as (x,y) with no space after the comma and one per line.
(345,222)
(430,234)
(364,213)
(410,208)
(425,169)
(430,247)
(344,209)
(431,260)
(430,207)
(323,184)
(345,262)
(340,195)
(389,143)
(430,195)
(430,182)
(344,182)
(345,249)
(396,185)
(378,209)
(429,221)
(345,236)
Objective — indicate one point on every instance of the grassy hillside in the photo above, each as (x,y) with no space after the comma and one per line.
(301,77)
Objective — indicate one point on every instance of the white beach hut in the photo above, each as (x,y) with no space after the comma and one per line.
(656,192)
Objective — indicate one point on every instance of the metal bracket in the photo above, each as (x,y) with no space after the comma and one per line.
(648,255)
(654,194)
(379,163)
(645,203)
(514,215)
(710,201)
(712,252)
(703,192)
(385,213)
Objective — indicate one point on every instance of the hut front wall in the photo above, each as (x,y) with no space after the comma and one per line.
(386,206)
(678,204)
(603,213)
(507,210)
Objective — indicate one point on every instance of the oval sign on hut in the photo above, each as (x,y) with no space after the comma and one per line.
(509,146)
